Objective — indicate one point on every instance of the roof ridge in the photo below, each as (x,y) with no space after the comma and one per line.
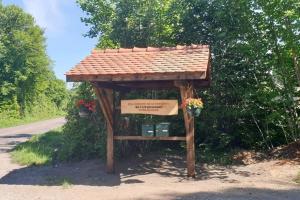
(150,49)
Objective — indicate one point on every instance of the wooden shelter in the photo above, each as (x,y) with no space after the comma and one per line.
(109,70)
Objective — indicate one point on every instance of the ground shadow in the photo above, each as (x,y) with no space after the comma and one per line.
(8,142)
(93,172)
(238,194)
(90,172)
(22,135)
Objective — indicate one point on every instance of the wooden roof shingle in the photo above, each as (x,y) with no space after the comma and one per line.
(142,64)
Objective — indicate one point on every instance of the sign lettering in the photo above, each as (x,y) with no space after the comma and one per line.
(149,106)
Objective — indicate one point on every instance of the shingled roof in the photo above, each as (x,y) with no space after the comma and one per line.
(137,64)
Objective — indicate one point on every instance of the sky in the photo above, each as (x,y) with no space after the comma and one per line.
(60,19)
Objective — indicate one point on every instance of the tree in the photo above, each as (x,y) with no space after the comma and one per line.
(25,74)
(255,59)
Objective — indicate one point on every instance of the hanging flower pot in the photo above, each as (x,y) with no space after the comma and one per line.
(86,108)
(193,106)
(83,113)
(194,111)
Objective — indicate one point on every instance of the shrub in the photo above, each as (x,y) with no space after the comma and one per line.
(85,137)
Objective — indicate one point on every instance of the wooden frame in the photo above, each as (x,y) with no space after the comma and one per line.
(105,98)
(187,91)
(196,75)
(104,93)
(112,71)
(136,137)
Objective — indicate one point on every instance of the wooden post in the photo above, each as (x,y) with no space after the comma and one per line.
(110,132)
(105,98)
(110,150)
(186,91)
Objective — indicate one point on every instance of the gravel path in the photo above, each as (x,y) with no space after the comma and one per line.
(152,177)
(9,137)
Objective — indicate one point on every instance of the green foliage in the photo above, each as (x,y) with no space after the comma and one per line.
(127,24)
(208,154)
(65,182)
(10,122)
(27,83)
(297,179)
(80,138)
(254,97)
(85,136)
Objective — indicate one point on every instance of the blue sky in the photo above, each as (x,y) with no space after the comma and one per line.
(60,19)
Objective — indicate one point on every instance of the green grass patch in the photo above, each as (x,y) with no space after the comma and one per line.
(210,155)
(219,158)
(65,182)
(40,149)
(297,179)
(10,122)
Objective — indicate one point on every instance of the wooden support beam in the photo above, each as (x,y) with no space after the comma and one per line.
(109,98)
(105,98)
(110,150)
(103,105)
(136,137)
(186,91)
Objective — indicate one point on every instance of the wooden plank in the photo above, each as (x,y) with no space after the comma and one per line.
(135,137)
(199,75)
(109,101)
(110,150)
(190,144)
(119,108)
(186,91)
(150,106)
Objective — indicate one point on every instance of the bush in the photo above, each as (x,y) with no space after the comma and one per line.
(85,137)
(79,139)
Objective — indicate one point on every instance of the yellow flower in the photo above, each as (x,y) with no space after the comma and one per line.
(193,103)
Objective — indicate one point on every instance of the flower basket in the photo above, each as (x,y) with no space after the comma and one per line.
(193,106)
(86,108)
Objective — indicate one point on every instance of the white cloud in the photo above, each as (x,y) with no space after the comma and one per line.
(48,14)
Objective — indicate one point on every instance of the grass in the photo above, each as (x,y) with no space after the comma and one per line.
(212,156)
(297,179)
(65,182)
(10,122)
(39,150)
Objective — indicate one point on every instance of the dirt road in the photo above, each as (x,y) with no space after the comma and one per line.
(152,177)
(9,137)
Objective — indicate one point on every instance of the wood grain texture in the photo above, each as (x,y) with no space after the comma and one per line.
(105,98)
(186,91)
